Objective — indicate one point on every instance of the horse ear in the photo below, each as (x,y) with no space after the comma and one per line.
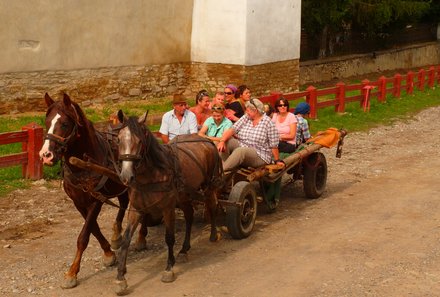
(66,100)
(142,118)
(121,116)
(48,99)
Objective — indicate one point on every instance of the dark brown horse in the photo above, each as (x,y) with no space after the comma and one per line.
(71,134)
(162,177)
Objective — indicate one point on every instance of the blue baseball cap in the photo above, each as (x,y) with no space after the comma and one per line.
(302,108)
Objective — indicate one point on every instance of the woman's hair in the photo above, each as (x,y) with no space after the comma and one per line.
(283,101)
(268,109)
(240,91)
(201,94)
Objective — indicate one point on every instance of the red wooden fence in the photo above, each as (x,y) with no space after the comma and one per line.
(318,98)
(31,138)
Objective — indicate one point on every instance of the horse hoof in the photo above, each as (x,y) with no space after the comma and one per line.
(215,237)
(141,245)
(116,244)
(168,276)
(121,287)
(69,283)
(109,260)
(182,258)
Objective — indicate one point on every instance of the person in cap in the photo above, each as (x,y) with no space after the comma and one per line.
(177,121)
(256,140)
(302,130)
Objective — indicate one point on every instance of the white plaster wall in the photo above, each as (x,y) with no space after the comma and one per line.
(75,34)
(219,31)
(273,31)
(246,32)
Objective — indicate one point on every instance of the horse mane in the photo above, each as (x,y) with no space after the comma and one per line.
(156,155)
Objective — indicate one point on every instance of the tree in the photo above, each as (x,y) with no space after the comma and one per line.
(327,19)
(381,16)
(324,18)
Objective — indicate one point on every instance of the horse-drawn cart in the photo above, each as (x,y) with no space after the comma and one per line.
(307,164)
(242,195)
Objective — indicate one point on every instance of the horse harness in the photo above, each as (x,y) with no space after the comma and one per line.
(182,187)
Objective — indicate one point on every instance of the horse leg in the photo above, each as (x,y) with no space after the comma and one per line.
(169,216)
(188,212)
(117,225)
(141,242)
(133,220)
(211,206)
(90,215)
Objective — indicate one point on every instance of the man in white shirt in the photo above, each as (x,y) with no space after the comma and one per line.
(178,121)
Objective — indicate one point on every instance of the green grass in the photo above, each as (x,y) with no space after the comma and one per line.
(354,119)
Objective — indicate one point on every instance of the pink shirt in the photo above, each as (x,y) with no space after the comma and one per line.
(284,127)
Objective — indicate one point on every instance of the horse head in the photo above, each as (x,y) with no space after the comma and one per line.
(132,145)
(63,118)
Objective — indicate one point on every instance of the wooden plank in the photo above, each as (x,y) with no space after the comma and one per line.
(13,159)
(13,137)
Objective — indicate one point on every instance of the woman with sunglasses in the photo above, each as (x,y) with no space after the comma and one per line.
(234,110)
(215,125)
(286,124)
(201,109)
(256,142)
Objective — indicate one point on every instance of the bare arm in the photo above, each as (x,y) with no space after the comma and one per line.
(165,138)
(291,135)
(221,146)
(276,156)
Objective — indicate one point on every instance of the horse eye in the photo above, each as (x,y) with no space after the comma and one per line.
(64,126)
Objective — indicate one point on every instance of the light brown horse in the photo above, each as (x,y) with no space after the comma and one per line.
(71,134)
(162,177)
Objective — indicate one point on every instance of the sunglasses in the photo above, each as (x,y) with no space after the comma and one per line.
(217,108)
(228,93)
(253,103)
(201,95)
(282,105)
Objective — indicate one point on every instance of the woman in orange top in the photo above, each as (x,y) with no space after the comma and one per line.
(201,109)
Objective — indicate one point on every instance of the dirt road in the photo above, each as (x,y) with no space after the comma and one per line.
(375,232)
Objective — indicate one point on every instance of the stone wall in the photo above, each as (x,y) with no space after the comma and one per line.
(24,91)
(354,65)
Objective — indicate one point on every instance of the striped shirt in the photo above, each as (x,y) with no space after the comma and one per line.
(263,137)
(302,131)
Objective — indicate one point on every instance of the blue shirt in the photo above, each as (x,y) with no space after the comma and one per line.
(172,127)
(214,130)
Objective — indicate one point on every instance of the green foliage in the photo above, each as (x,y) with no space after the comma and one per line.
(379,16)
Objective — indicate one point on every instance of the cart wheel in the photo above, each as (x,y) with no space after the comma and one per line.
(315,175)
(240,220)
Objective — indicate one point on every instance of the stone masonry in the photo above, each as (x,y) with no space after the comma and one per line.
(24,91)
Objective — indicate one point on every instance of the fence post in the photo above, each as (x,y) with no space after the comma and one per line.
(382,89)
(421,79)
(340,107)
(312,100)
(397,85)
(438,75)
(33,169)
(410,82)
(431,77)
(364,83)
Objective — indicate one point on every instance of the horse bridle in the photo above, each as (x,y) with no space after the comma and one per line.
(135,157)
(62,141)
